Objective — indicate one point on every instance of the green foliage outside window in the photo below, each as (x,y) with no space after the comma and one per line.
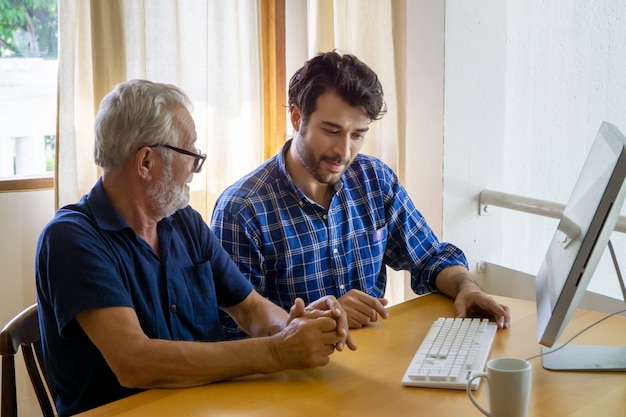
(50,141)
(28,28)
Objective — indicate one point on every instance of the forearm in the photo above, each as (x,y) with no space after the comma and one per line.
(143,362)
(451,280)
(257,316)
(304,343)
(170,364)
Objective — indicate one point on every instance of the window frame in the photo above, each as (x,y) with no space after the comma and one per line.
(274,68)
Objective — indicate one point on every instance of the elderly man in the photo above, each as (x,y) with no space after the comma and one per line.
(131,280)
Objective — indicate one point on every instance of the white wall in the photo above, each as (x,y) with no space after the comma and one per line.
(22,216)
(425,108)
(475,75)
(527,87)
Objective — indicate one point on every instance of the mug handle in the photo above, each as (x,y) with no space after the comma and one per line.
(471,396)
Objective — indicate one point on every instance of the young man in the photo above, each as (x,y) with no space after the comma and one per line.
(130,279)
(321,219)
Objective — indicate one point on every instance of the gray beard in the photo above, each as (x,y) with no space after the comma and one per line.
(167,196)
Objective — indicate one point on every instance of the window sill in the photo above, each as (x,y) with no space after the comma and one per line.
(26,184)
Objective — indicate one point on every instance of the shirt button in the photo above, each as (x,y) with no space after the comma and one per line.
(325,216)
(173,308)
(335,251)
(341,287)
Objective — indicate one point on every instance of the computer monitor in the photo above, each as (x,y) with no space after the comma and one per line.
(581,237)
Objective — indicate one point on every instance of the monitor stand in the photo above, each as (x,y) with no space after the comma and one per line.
(588,357)
(585,358)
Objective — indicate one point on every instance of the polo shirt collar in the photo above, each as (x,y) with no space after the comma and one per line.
(104,213)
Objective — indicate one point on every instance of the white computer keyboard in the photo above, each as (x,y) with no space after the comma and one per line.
(450,352)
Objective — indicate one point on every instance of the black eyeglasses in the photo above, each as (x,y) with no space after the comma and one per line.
(199,157)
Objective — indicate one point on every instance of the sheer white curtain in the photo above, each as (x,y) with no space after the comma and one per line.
(374,31)
(210,49)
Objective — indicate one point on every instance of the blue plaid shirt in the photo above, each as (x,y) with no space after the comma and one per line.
(289,246)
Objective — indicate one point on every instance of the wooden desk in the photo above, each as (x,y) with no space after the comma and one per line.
(367,382)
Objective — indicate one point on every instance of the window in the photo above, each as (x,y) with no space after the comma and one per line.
(28,70)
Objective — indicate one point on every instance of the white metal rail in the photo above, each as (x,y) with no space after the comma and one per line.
(529,205)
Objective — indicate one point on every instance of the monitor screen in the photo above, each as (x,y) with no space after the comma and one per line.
(581,238)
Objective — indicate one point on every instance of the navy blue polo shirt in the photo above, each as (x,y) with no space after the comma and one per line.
(88,257)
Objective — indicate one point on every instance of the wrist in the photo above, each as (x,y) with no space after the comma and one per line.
(467,283)
(273,364)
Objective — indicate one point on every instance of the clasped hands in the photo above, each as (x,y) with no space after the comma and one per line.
(326,307)
(312,333)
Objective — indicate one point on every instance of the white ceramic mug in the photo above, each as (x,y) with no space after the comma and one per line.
(508,381)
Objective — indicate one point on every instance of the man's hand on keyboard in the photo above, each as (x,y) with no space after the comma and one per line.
(363,309)
(471,301)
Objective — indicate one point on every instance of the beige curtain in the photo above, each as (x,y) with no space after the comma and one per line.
(374,31)
(210,49)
